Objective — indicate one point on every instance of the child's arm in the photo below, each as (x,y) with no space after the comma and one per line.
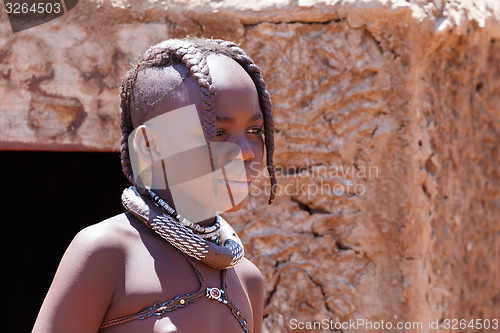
(83,286)
(254,285)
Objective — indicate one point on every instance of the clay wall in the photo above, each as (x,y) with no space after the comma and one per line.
(387,129)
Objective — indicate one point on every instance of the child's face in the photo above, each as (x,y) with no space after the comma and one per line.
(173,127)
(239,118)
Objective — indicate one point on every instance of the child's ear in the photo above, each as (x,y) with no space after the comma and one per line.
(146,145)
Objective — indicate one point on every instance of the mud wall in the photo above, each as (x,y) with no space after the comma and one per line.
(388,123)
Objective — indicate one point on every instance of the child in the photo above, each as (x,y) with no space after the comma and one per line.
(170,263)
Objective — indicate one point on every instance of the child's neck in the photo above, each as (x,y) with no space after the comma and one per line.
(190,210)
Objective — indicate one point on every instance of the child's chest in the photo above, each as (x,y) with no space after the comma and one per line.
(162,274)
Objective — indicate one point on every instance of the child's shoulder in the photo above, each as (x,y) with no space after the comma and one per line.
(253,283)
(112,234)
(250,275)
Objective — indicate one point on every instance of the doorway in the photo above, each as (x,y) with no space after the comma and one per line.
(48,197)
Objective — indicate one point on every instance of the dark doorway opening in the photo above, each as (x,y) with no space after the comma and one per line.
(47,198)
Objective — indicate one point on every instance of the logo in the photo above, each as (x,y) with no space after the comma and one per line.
(170,151)
(25,14)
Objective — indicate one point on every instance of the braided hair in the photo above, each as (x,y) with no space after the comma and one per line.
(193,52)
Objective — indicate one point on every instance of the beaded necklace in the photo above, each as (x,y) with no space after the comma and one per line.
(227,253)
(210,233)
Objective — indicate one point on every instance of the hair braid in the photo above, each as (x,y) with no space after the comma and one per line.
(192,57)
(196,62)
(126,122)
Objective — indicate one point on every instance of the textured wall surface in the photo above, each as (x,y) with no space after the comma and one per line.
(388,123)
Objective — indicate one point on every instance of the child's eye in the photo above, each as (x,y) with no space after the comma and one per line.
(257,130)
(219,132)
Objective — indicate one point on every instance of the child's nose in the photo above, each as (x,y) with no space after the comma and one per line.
(246,150)
(241,148)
